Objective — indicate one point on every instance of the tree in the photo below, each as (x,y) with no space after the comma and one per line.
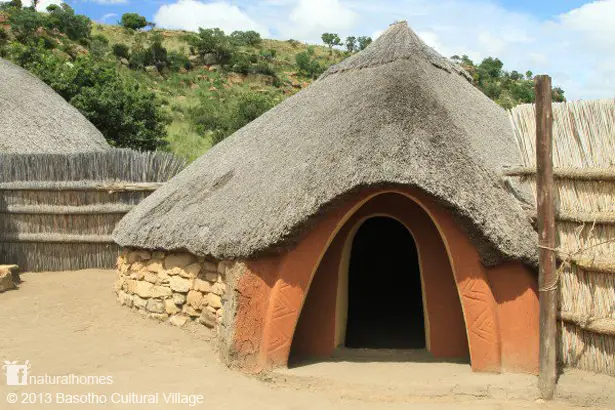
(24,23)
(558,95)
(515,75)
(15,4)
(214,42)
(331,39)
(364,41)
(351,44)
(127,114)
(133,21)
(76,26)
(246,38)
(491,67)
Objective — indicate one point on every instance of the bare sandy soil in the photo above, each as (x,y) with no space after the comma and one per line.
(70,323)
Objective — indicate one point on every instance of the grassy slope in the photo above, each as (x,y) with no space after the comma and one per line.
(182,90)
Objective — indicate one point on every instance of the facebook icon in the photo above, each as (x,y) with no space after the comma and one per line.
(16,374)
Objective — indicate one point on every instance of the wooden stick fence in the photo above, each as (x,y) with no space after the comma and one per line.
(118,186)
(580,174)
(603,326)
(597,218)
(584,182)
(57,212)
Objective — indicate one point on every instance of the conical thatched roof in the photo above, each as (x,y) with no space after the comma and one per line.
(396,113)
(34,119)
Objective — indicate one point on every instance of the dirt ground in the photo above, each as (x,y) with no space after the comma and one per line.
(70,323)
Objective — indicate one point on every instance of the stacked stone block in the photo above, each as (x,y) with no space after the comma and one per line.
(172,286)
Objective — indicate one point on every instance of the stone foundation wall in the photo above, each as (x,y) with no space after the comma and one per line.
(174,287)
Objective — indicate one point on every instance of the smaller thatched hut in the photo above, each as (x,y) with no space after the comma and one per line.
(369,210)
(34,119)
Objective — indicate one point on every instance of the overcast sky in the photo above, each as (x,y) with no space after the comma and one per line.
(573,41)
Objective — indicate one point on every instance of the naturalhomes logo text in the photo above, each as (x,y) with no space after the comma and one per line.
(19,375)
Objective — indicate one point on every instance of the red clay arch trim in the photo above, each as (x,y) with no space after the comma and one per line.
(273,290)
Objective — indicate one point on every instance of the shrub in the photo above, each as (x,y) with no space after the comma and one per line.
(247,108)
(139,59)
(4,36)
(100,39)
(308,66)
(265,69)
(240,63)
(121,51)
(31,56)
(177,61)
(157,54)
(221,120)
(268,55)
(99,45)
(48,42)
(133,21)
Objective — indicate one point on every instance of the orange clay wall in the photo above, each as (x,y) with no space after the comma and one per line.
(499,305)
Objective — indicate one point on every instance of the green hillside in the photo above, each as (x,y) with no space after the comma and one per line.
(159,89)
(190,94)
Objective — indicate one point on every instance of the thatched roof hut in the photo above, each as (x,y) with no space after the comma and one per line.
(34,119)
(367,211)
(396,113)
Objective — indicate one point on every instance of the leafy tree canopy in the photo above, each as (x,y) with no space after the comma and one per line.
(133,21)
(125,112)
(364,42)
(212,41)
(246,38)
(75,26)
(331,39)
(351,44)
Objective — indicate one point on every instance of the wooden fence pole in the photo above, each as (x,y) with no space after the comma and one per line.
(547,277)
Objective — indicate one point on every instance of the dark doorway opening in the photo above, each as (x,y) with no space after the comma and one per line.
(385,304)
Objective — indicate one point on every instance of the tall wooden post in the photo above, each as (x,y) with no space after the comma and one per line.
(547,278)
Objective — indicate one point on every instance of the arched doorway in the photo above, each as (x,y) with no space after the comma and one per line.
(406,296)
(384,317)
